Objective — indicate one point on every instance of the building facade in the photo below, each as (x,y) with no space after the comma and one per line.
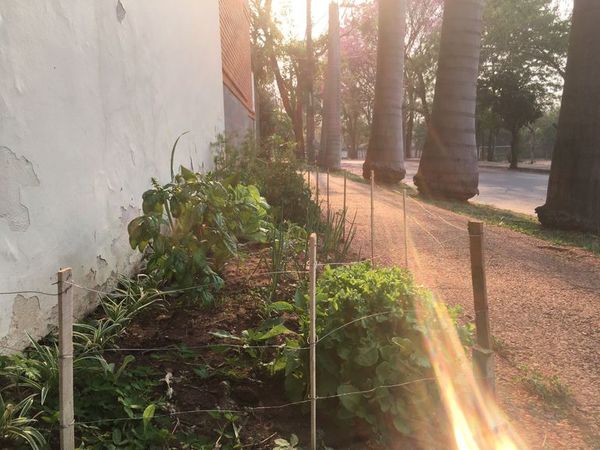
(92,96)
(238,83)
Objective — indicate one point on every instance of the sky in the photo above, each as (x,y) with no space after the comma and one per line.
(295,21)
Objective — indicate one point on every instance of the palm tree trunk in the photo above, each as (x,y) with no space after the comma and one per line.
(448,167)
(573,199)
(331,132)
(385,154)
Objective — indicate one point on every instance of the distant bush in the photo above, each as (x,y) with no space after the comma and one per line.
(273,168)
(386,348)
(192,226)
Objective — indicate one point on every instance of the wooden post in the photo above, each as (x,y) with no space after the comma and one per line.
(372,219)
(65,357)
(344,208)
(312,339)
(328,209)
(317,181)
(483,355)
(405,227)
(309,177)
(345,182)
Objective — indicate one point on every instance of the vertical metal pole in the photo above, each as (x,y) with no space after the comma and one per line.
(483,355)
(65,357)
(328,193)
(405,228)
(312,249)
(372,219)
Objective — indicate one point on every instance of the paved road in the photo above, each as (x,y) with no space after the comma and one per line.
(517,191)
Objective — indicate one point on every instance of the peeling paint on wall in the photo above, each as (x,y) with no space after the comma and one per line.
(17,173)
(120,11)
(91,99)
(25,320)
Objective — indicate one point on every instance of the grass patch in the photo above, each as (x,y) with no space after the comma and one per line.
(521,223)
(549,388)
(500,347)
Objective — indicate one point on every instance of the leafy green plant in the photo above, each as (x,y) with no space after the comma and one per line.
(282,444)
(369,336)
(274,169)
(192,226)
(17,427)
(106,389)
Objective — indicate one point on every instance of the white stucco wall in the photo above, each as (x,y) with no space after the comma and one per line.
(92,95)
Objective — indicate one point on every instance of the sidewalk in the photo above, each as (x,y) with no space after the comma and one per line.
(542,165)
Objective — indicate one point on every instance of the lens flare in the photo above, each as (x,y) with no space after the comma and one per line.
(475,418)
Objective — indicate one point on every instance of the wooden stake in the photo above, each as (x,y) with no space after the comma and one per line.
(483,355)
(405,227)
(309,177)
(345,182)
(372,219)
(317,181)
(312,340)
(344,209)
(328,193)
(65,357)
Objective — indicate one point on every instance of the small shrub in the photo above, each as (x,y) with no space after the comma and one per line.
(274,169)
(353,355)
(192,226)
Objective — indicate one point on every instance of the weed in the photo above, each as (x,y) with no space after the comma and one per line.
(549,388)
(500,347)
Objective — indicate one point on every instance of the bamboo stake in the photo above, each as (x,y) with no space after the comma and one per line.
(483,355)
(405,228)
(65,357)
(312,245)
(372,219)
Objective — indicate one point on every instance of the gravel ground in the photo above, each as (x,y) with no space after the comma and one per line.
(544,304)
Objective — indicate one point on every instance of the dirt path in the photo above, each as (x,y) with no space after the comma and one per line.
(544,301)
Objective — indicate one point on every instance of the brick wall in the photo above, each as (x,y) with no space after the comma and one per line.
(236,51)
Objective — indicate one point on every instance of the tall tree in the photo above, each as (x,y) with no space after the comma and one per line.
(523,56)
(281,62)
(331,131)
(448,166)
(385,154)
(573,199)
(310,74)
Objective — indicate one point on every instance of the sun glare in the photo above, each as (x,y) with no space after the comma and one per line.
(292,14)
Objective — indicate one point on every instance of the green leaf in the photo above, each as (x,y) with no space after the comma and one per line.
(148,414)
(367,356)
(350,401)
(281,307)
(277,330)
